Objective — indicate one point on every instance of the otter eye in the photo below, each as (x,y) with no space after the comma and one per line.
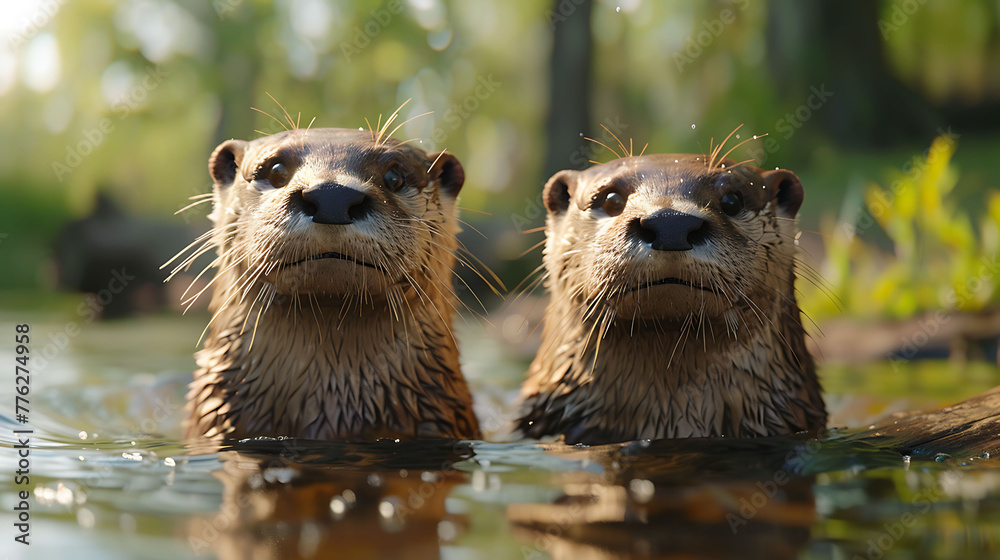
(279,175)
(614,203)
(394,180)
(732,203)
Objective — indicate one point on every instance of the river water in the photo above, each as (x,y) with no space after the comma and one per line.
(111,478)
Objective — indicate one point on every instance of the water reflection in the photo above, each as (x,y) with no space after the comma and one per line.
(679,499)
(304,499)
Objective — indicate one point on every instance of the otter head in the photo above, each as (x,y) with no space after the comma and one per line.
(665,236)
(334,212)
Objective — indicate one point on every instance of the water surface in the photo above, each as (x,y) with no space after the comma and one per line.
(110,477)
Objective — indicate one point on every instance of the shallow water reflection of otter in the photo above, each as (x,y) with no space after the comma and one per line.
(695,498)
(307,499)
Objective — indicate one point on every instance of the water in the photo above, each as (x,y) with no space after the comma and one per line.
(111,479)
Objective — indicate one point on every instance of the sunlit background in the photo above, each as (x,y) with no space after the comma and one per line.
(129,98)
(888,110)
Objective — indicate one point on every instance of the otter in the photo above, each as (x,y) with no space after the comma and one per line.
(673,310)
(333,297)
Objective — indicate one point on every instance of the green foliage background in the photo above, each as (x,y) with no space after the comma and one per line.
(340,62)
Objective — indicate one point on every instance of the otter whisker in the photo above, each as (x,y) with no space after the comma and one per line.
(539,268)
(530,249)
(713,152)
(402,124)
(598,142)
(473,210)
(389,121)
(288,117)
(192,205)
(269,115)
(622,145)
(473,228)
(755,137)
(207,238)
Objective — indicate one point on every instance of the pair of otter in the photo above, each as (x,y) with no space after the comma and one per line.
(672,312)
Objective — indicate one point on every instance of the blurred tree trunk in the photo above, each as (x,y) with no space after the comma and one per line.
(569,81)
(240,59)
(837,45)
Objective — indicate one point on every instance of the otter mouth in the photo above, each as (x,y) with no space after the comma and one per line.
(335,255)
(677,281)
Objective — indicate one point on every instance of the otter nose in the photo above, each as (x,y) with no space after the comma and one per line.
(330,203)
(670,230)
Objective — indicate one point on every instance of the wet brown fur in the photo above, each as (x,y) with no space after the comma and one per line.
(623,358)
(333,348)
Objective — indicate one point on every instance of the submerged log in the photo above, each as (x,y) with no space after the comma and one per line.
(969,428)
(961,336)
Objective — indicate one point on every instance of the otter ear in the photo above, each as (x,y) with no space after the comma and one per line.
(225,161)
(559,191)
(786,190)
(449,171)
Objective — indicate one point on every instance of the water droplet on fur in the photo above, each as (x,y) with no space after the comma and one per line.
(941,457)
(985,455)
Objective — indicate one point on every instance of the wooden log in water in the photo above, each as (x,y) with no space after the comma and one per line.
(970,428)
